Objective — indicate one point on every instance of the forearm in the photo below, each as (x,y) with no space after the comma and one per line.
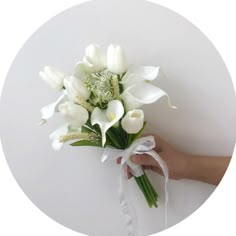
(207,169)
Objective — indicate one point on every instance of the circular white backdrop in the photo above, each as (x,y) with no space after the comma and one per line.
(72,186)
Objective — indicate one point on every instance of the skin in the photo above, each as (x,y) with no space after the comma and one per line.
(181,165)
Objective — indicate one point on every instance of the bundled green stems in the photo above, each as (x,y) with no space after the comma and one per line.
(148,190)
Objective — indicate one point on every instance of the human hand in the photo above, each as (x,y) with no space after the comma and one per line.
(176,161)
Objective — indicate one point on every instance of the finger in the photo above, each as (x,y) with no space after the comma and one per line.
(147,167)
(128,172)
(118,161)
(160,143)
(153,168)
(158,149)
(144,160)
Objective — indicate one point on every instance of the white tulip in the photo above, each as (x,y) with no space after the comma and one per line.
(76,88)
(116,60)
(93,61)
(53,76)
(108,117)
(96,57)
(75,114)
(137,87)
(132,123)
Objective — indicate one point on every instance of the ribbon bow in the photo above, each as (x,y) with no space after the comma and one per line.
(143,145)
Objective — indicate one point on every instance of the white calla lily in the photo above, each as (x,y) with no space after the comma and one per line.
(49,110)
(65,131)
(140,73)
(137,87)
(53,76)
(116,60)
(108,117)
(54,136)
(93,61)
(76,88)
(132,123)
(75,114)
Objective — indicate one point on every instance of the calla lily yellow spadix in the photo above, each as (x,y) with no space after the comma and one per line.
(100,102)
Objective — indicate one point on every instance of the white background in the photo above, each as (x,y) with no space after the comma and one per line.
(19,20)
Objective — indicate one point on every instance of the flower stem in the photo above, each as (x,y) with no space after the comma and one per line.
(150,193)
(148,190)
(153,190)
(141,186)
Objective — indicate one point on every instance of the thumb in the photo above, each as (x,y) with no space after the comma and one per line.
(143,159)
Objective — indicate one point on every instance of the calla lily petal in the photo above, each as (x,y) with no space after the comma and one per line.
(54,136)
(49,110)
(107,118)
(137,74)
(130,101)
(64,130)
(135,96)
(146,93)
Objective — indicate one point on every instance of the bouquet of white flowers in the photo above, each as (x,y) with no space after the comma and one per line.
(100,104)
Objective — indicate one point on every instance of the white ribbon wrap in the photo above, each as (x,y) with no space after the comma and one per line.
(143,145)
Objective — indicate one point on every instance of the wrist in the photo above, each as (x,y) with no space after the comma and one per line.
(187,164)
(194,168)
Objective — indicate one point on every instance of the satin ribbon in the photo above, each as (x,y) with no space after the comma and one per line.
(143,145)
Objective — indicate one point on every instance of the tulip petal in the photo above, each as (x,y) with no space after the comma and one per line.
(107,118)
(53,76)
(93,61)
(95,56)
(133,121)
(76,87)
(75,114)
(54,136)
(80,70)
(49,110)
(116,60)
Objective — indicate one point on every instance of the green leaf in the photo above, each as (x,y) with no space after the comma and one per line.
(85,129)
(86,143)
(113,139)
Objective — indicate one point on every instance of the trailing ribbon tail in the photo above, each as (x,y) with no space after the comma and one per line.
(143,145)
